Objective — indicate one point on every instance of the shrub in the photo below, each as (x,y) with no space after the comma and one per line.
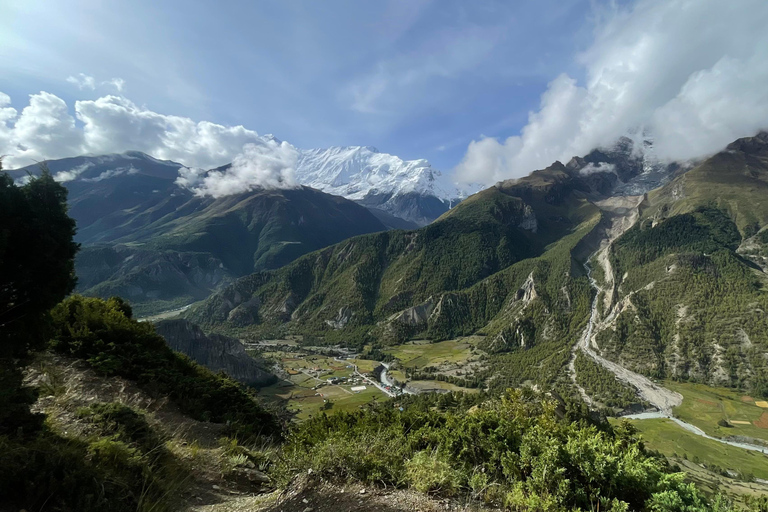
(429,472)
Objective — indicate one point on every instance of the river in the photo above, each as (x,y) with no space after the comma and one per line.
(660,397)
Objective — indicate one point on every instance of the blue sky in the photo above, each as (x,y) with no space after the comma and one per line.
(527,81)
(419,79)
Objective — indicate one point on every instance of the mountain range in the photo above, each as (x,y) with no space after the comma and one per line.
(159,245)
(406,189)
(509,264)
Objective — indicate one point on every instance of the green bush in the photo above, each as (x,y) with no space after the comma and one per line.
(50,472)
(122,422)
(515,451)
(429,472)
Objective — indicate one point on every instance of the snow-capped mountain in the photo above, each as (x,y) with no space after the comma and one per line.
(407,189)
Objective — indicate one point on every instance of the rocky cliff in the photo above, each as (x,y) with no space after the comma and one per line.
(214,351)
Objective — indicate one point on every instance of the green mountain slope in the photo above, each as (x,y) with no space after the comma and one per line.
(157,244)
(690,284)
(452,277)
(686,283)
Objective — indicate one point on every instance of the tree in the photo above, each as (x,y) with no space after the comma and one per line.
(36,272)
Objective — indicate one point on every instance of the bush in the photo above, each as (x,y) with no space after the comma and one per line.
(122,422)
(54,473)
(515,451)
(429,472)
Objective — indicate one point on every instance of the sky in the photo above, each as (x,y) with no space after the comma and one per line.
(484,90)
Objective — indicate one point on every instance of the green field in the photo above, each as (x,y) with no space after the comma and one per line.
(673,441)
(704,406)
(419,354)
(437,384)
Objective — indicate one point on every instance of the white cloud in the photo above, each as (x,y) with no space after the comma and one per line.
(82,81)
(111,173)
(267,163)
(45,129)
(64,176)
(592,168)
(117,83)
(692,73)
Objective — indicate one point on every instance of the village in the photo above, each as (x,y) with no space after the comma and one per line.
(316,379)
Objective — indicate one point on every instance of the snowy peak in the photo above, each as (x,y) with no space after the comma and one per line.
(411,190)
(357,172)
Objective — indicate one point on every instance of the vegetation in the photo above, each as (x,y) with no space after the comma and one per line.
(672,440)
(675,329)
(39,468)
(104,334)
(706,407)
(36,272)
(344,290)
(514,451)
(602,385)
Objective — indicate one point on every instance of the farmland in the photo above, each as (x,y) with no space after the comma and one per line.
(705,406)
(312,383)
(314,379)
(677,443)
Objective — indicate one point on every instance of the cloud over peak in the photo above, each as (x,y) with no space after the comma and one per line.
(45,129)
(692,73)
(267,163)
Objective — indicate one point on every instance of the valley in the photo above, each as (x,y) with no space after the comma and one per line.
(549,286)
(398,256)
(330,379)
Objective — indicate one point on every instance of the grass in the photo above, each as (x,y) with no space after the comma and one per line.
(437,384)
(673,441)
(704,406)
(418,354)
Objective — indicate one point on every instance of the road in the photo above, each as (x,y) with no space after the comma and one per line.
(374,383)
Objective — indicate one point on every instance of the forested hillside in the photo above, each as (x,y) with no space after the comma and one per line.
(158,245)
(690,282)
(419,281)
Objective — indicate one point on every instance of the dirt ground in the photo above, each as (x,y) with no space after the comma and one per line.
(310,494)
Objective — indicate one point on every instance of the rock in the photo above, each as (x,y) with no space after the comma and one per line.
(362,491)
(253,475)
(216,487)
(214,351)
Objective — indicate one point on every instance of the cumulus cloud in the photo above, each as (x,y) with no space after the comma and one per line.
(692,73)
(45,129)
(267,163)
